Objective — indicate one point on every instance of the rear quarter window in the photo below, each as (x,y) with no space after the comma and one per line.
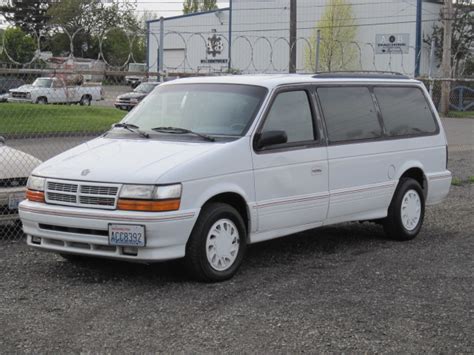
(405,111)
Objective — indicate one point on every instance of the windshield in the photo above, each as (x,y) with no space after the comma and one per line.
(42,83)
(211,109)
(145,88)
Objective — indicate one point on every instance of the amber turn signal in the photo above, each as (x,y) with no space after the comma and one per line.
(35,196)
(148,206)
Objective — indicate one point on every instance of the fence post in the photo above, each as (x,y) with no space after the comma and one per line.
(318,41)
(430,69)
(161,50)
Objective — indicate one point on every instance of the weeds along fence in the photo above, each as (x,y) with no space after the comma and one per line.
(49,104)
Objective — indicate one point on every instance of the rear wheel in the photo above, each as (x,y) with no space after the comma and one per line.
(406,212)
(41,101)
(217,244)
(85,100)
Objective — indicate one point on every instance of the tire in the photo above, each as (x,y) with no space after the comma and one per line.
(408,197)
(85,101)
(204,250)
(42,101)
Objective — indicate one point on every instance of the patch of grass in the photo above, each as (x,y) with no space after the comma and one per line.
(42,119)
(470,179)
(456,181)
(461,114)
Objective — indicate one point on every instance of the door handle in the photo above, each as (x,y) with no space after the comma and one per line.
(315,170)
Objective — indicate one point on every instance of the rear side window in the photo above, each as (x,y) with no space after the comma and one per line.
(349,113)
(405,111)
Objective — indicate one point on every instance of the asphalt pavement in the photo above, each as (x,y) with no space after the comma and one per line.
(344,289)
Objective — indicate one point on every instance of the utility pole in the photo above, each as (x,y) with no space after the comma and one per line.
(293,24)
(446,61)
(418,38)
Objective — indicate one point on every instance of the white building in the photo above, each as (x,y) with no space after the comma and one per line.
(253,36)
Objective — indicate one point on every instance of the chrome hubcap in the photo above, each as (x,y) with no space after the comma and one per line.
(411,210)
(222,244)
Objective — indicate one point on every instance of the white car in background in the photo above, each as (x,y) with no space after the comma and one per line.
(56,91)
(15,167)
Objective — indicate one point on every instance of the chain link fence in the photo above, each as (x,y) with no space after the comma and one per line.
(51,104)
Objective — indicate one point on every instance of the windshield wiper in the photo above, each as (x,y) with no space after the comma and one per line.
(177,130)
(132,128)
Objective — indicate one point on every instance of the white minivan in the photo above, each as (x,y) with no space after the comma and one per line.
(204,167)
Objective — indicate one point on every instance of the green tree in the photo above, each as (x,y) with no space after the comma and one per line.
(191,6)
(90,21)
(208,5)
(29,15)
(19,45)
(338,31)
(462,41)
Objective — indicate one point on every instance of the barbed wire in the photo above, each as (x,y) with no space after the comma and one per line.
(252,51)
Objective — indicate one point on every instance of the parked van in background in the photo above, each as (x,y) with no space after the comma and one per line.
(202,167)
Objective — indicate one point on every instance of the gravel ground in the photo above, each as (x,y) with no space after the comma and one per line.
(337,289)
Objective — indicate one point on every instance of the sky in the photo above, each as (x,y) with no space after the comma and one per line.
(166,8)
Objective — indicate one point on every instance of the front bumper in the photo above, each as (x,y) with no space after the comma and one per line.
(19,100)
(83,231)
(7,215)
(125,105)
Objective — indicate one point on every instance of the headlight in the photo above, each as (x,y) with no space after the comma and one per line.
(150,198)
(168,192)
(28,95)
(35,189)
(35,183)
(143,192)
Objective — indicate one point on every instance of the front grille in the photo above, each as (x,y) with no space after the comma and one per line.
(82,194)
(98,201)
(99,190)
(13,182)
(63,187)
(74,230)
(19,95)
(53,196)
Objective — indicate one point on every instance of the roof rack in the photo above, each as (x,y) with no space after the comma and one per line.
(366,74)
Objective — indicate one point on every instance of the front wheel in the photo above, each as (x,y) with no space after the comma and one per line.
(406,212)
(217,244)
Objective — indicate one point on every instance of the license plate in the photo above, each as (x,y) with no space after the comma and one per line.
(127,235)
(14,200)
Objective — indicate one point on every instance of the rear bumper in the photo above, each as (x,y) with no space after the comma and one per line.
(438,187)
(85,231)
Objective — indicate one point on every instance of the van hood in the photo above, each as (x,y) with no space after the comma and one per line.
(136,161)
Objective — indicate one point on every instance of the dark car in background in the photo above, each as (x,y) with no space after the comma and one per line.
(129,100)
(6,84)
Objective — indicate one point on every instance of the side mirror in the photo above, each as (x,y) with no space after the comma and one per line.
(269,138)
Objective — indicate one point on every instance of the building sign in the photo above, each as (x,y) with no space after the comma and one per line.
(392,43)
(215,48)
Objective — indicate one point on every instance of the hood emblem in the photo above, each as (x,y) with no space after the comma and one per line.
(85,172)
